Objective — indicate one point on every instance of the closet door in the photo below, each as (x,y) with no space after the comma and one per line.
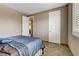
(25,26)
(54,26)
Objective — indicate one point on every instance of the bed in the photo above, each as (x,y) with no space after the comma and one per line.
(21,46)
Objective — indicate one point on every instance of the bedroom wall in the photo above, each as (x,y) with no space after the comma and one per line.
(73,41)
(64,25)
(41,24)
(10,22)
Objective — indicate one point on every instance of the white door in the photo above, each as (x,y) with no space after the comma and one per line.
(54,26)
(25,26)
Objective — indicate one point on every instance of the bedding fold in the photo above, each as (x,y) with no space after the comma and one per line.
(21,48)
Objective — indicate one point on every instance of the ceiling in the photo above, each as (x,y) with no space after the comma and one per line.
(32,8)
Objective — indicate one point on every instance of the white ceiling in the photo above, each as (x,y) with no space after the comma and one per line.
(32,8)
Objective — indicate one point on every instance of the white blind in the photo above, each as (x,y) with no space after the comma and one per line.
(75,17)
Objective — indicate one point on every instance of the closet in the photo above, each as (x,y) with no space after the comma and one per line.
(54,26)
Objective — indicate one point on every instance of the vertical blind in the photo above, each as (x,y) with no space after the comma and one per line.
(75,17)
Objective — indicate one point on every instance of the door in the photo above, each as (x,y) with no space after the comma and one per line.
(25,26)
(54,26)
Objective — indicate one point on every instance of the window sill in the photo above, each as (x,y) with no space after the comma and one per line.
(76,34)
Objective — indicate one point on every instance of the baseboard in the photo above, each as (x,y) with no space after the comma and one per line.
(64,44)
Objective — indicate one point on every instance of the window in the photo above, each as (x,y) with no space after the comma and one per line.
(75,19)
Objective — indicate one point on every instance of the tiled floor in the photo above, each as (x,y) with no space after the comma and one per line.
(52,49)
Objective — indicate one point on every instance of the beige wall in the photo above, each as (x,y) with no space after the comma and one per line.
(10,22)
(64,25)
(41,24)
(73,41)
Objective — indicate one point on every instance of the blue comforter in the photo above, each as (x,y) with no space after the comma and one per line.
(26,46)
